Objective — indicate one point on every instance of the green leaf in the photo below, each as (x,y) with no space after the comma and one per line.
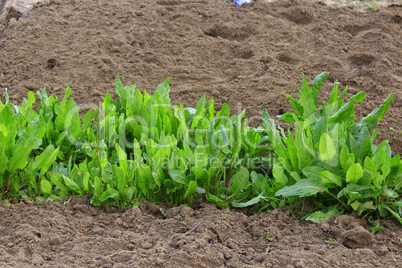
(145,179)
(307,99)
(302,188)
(3,130)
(313,172)
(98,187)
(251,202)
(240,180)
(383,207)
(200,157)
(203,177)
(274,136)
(109,194)
(45,159)
(46,187)
(326,148)
(355,205)
(376,116)
(223,114)
(224,136)
(122,156)
(287,117)
(354,173)
(317,83)
(346,159)
(3,160)
(57,179)
(330,178)
(164,91)
(72,185)
(20,157)
(279,175)
(390,193)
(318,216)
(218,201)
(361,190)
(126,194)
(192,188)
(179,176)
(199,113)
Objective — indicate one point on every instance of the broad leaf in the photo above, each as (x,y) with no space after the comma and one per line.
(330,178)
(192,188)
(354,173)
(218,201)
(240,180)
(109,194)
(318,216)
(20,157)
(251,202)
(45,159)
(302,188)
(326,148)
(46,187)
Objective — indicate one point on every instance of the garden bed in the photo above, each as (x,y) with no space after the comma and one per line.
(249,57)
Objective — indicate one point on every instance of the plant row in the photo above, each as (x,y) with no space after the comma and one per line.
(142,146)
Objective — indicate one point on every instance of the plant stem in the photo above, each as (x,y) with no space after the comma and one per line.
(340,201)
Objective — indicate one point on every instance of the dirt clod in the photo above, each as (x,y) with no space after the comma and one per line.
(357,237)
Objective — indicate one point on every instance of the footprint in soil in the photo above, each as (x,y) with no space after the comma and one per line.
(360,62)
(229,32)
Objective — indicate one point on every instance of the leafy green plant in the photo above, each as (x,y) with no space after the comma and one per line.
(142,146)
(373,5)
(126,149)
(375,227)
(326,154)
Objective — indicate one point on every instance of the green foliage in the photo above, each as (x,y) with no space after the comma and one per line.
(131,148)
(142,146)
(327,155)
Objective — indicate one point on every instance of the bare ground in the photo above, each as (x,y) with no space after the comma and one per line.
(77,235)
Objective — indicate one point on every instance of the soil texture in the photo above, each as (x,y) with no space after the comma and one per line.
(77,235)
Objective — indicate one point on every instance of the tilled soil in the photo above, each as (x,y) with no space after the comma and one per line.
(77,235)
(249,57)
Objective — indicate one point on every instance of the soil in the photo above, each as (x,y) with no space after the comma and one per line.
(248,56)
(77,235)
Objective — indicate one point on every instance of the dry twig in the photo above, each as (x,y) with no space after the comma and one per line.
(195,227)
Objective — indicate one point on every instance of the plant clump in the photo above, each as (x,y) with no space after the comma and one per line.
(142,146)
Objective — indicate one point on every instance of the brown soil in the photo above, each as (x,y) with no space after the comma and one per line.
(248,56)
(77,235)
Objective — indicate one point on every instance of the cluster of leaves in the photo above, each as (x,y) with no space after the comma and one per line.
(142,146)
(326,154)
(137,147)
